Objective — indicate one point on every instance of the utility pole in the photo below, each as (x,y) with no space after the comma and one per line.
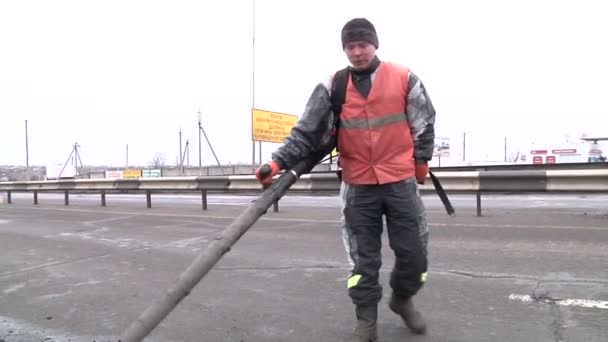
(211,147)
(27,149)
(200,165)
(74,157)
(181,159)
(505,149)
(464,146)
(77,159)
(188,153)
(127,162)
(253,87)
(185,153)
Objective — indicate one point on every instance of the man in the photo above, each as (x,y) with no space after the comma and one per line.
(385,138)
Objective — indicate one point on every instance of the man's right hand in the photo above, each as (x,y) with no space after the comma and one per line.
(265,173)
(422,170)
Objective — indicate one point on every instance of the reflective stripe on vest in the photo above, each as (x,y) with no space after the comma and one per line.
(375,142)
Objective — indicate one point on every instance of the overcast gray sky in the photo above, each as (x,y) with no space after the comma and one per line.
(110,73)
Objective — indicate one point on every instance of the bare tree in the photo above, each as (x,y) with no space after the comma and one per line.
(159,160)
(513,157)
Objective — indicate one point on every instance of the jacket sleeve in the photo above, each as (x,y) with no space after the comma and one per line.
(310,132)
(421,117)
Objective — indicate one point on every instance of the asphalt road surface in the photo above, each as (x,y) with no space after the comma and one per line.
(533,268)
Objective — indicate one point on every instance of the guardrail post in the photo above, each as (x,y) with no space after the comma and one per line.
(275,206)
(66,196)
(478,203)
(103,198)
(8,197)
(35,197)
(148,199)
(204,199)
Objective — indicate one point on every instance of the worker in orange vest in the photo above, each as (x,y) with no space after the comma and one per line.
(385,137)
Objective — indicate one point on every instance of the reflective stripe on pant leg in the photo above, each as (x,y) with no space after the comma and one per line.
(423,228)
(422,222)
(345,235)
(405,230)
(363,217)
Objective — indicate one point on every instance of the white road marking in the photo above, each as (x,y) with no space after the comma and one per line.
(13,288)
(583,303)
(108,220)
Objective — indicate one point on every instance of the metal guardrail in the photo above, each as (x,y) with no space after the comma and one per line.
(474,182)
(522,167)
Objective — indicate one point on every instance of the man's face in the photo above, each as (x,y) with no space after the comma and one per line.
(360,53)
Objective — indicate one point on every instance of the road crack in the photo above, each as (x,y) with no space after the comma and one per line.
(64,262)
(267,268)
(557,326)
(51,264)
(521,277)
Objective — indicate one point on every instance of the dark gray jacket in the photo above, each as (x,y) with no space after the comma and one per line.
(311,132)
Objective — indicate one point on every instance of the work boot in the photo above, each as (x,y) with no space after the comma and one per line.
(404,307)
(366,329)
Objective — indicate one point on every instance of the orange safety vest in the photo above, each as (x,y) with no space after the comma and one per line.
(375,142)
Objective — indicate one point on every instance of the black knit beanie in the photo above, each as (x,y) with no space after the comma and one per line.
(359,29)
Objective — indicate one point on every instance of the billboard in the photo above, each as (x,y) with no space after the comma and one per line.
(131,173)
(271,126)
(57,171)
(151,173)
(113,174)
(442,147)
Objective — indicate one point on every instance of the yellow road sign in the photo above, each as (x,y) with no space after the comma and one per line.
(271,126)
(131,173)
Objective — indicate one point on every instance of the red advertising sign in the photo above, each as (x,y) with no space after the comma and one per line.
(537,160)
(538,152)
(550,159)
